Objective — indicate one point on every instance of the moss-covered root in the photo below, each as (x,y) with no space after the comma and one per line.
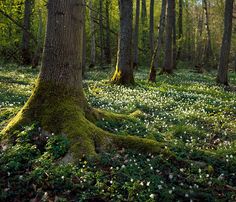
(97,115)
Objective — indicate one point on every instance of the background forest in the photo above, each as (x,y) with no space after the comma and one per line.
(166,132)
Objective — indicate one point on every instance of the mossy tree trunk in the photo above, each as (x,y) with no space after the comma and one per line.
(222,77)
(124,67)
(58,102)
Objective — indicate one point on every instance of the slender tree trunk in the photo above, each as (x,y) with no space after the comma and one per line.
(124,69)
(208,49)
(101,31)
(136,35)
(144,23)
(174,40)
(222,77)
(180,28)
(151,27)
(26,54)
(168,59)
(156,57)
(39,48)
(108,42)
(92,36)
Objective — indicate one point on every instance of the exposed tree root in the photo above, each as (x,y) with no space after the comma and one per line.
(62,114)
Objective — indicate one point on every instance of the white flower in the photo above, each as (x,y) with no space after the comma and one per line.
(170,176)
(148,183)
(152,196)
(159,186)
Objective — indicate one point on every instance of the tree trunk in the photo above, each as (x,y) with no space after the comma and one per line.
(151,27)
(168,59)
(39,48)
(92,36)
(58,102)
(108,43)
(84,52)
(136,35)
(144,23)
(208,50)
(180,28)
(156,57)
(222,77)
(174,40)
(101,32)
(124,69)
(26,55)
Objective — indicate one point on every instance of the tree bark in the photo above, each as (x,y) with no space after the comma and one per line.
(174,40)
(156,57)
(136,35)
(84,52)
(208,50)
(92,36)
(168,59)
(101,32)
(222,77)
(26,54)
(124,69)
(39,48)
(108,42)
(180,28)
(151,27)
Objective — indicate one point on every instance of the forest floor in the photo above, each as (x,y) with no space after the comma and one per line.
(187,112)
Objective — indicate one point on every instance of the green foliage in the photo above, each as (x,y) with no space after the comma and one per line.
(186,112)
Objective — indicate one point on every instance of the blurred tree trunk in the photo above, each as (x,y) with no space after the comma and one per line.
(92,36)
(151,27)
(124,70)
(144,23)
(174,40)
(156,57)
(168,59)
(180,28)
(108,37)
(101,31)
(208,50)
(39,48)
(136,35)
(222,77)
(26,54)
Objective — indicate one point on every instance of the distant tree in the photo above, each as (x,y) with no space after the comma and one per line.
(174,40)
(136,35)
(151,27)
(222,77)
(168,58)
(156,57)
(107,51)
(124,67)
(26,53)
(180,28)
(92,36)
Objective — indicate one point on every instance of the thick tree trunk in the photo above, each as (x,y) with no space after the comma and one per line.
(108,42)
(168,59)
(124,69)
(39,48)
(156,57)
(136,35)
(26,55)
(58,103)
(222,77)
(92,36)
(151,27)
(180,28)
